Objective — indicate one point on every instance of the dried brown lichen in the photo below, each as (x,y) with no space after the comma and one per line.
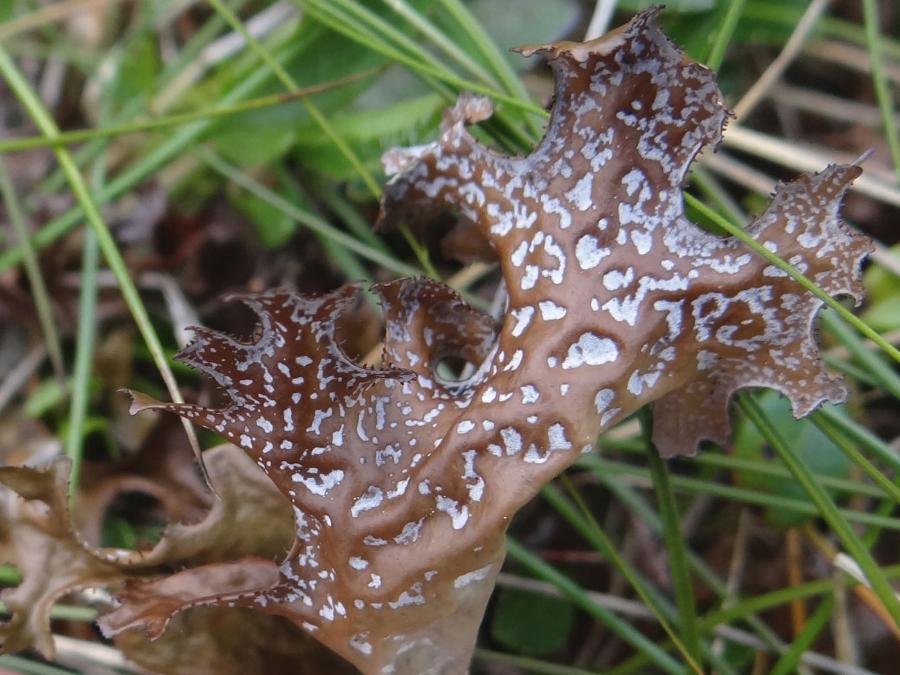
(403,485)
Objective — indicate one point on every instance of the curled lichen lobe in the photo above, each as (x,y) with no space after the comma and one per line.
(402,483)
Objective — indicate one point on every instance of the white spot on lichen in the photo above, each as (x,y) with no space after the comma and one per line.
(369,500)
(589,252)
(523,318)
(603,398)
(590,350)
(550,311)
(465,426)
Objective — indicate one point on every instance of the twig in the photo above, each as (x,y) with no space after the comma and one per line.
(773,72)
(848,56)
(18,376)
(805,158)
(97,657)
(48,14)
(603,11)
(827,105)
(258,26)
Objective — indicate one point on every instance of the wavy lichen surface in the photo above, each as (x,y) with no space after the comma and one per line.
(402,484)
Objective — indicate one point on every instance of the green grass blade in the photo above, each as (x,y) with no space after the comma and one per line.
(814,625)
(421,62)
(882,91)
(724,35)
(84,355)
(45,123)
(782,596)
(861,435)
(730,493)
(636,504)
(676,547)
(439,40)
(33,272)
(529,664)
(887,486)
(576,594)
(872,362)
(151,162)
(494,58)
(590,529)
(826,508)
(179,119)
(310,220)
(19,664)
(357,224)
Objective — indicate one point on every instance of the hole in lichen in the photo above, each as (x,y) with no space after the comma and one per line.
(453,370)
(133,520)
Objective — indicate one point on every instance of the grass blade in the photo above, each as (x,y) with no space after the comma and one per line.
(675,545)
(577,595)
(33,272)
(882,92)
(826,508)
(590,529)
(47,125)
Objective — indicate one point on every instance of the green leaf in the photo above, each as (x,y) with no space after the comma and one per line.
(512,23)
(883,296)
(812,447)
(273,226)
(139,70)
(46,396)
(532,624)
(371,132)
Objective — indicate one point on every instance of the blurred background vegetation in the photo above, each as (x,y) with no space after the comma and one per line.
(155,155)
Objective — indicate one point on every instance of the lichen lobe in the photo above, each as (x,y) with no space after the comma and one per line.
(402,484)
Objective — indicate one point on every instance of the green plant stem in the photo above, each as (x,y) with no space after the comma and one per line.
(577,595)
(33,272)
(814,625)
(45,123)
(879,80)
(890,489)
(825,507)
(844,313)
(675,544)
(724,35)
(178,119)
(872,362)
